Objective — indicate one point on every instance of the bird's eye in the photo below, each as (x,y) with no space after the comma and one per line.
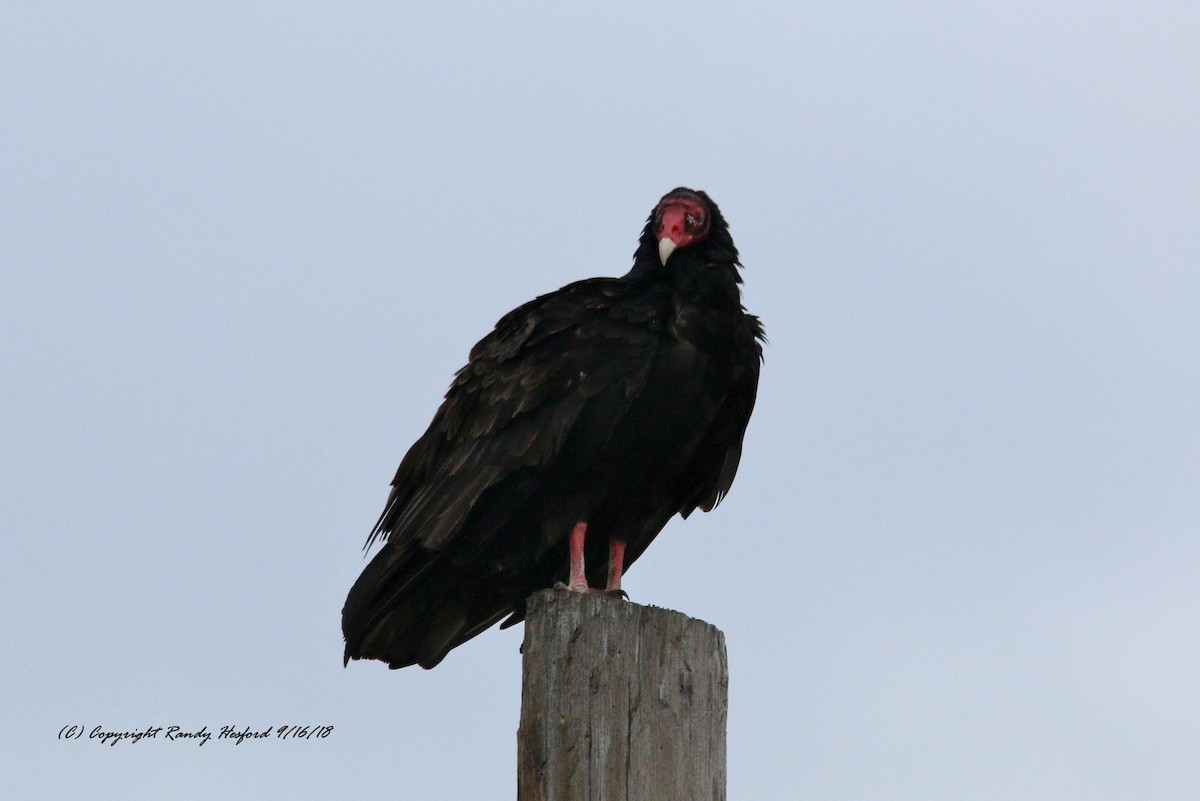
(693,220)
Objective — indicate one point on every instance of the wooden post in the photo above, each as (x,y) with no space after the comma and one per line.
(620,702)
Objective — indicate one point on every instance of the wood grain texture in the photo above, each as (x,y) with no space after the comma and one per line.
(620,702)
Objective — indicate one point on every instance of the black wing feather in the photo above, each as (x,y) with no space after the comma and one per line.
(509,411)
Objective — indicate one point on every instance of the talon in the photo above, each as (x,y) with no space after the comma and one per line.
(572,587)
(618,595)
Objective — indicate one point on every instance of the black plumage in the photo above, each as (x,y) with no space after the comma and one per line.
(613,402)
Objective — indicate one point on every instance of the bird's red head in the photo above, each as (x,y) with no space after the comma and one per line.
(680,219)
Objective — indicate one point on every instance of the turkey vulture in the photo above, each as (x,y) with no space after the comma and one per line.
(586,420)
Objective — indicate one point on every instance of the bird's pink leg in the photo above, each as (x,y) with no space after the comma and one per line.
(616,564)
(578,575)
(578,580)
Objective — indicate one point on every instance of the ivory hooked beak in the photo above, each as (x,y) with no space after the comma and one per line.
(666,246)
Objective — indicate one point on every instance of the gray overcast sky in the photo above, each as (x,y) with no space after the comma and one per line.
(244,248)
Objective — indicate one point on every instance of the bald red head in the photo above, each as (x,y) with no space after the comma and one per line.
(681,218)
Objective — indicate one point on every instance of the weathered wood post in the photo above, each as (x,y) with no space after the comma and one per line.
(620,702)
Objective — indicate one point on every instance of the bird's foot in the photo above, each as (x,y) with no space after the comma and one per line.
(619,595)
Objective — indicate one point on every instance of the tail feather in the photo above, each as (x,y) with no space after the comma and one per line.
(386,607)
(409,607)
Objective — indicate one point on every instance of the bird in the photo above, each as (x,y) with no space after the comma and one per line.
(586,420)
